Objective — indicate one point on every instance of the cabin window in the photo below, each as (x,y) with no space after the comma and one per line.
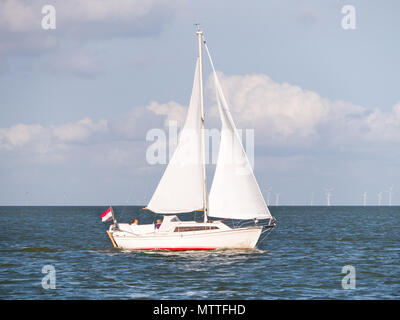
(186,229)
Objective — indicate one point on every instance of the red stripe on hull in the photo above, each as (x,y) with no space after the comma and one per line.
(174,249)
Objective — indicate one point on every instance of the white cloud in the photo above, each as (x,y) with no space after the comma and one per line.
(95,10)
(283,116)
(18,135)
(281,111)
(384,127)
(60,141)
(49,143)
(312,138)
(25,16)
(135,124)
(287,115)
(172,110)
(19,16)
(79,131)
(80,21)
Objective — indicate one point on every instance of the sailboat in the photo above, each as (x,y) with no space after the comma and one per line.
(234,194)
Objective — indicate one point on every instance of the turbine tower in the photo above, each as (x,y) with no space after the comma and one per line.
(328,197)
(390,195)
(277,199)
(312,199)
(379,198)
(268,195)
(364,195)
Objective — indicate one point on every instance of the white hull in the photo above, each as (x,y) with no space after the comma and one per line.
(221,238)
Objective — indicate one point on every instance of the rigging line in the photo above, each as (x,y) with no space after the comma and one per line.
(125,207)
(225,106)
(264,234)
(217,83)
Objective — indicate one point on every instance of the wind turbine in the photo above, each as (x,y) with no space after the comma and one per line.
(268,195)
(379,198)
(390,195)
(364,195)
(328,196)
(312,199)
(277,199)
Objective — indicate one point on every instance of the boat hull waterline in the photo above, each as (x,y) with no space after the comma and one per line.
(241,238)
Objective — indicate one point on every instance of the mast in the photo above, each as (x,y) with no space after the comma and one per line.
(199,33)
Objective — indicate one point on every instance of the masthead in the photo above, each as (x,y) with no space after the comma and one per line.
(198,27)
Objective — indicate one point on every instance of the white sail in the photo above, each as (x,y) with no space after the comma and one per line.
(234,192)
(181,187)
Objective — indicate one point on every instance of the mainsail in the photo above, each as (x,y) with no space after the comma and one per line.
(234,192)
(181,187)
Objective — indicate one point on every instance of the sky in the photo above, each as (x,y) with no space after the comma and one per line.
(77,101)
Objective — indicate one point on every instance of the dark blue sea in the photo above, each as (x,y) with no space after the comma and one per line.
(301,259)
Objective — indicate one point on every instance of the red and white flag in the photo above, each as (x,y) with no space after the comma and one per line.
(106,215)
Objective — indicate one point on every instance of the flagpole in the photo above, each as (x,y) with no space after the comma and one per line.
(112,212)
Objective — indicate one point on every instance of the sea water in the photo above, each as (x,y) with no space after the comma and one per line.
(307,256)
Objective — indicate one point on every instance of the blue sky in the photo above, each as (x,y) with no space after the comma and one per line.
(76,102)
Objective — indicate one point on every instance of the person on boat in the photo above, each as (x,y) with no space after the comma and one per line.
(135,221)
(158,224)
